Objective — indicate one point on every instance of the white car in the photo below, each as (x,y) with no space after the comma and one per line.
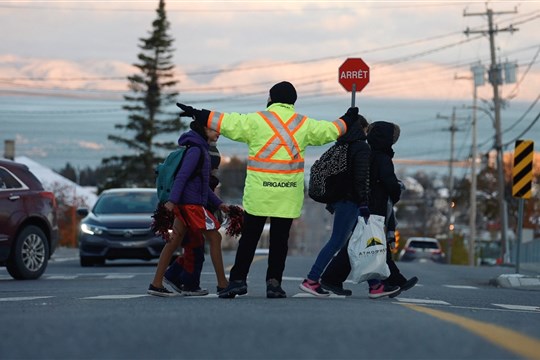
(422,249)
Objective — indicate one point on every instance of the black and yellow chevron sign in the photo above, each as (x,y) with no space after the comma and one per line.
(523,169)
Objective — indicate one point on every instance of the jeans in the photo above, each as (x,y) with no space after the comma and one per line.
(345,217)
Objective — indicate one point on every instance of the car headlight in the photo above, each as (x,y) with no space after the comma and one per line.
(92,229)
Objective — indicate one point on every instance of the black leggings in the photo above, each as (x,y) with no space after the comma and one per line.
(251,233)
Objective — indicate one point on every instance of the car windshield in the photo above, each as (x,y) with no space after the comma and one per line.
(423,244)
(126,203)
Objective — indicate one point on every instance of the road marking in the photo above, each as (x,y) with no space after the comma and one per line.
(120,276)
(513,341)
(207,296)
(25,298)
(306,295)
(518,307)
(422,301)
(114,297)
(60,277)
(64,259)
(460,287)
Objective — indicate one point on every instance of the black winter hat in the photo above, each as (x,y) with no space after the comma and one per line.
(283,92)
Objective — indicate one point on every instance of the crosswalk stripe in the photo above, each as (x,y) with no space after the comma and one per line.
(460,287)
(306,295)
(422,301)
(518,307)
(25,298)
(114,297)
(120,276)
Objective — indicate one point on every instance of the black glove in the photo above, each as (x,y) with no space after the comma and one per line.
(187,111)
(364,212)
(350,116)
(200,116)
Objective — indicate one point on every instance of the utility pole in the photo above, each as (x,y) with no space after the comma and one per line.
(477,80)
(450,227)
(495,78)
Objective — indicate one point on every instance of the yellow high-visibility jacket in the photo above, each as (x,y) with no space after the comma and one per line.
(277,139)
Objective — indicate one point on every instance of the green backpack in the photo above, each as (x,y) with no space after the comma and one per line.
(166,172)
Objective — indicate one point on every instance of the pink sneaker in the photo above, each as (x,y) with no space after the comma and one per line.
(382,290)
(313,287)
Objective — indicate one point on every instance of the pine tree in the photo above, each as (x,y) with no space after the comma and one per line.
(151,95)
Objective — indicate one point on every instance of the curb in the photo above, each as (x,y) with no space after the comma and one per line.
(517,281)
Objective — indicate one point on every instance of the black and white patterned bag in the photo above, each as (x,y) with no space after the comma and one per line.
(329,174)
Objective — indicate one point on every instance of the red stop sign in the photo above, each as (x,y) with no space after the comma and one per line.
(354,71)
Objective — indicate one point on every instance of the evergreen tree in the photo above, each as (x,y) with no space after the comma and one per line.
(151,95)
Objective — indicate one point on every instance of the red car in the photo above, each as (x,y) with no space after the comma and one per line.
(28,223)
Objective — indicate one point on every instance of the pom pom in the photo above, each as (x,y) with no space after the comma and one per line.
(236,221)
(162,222)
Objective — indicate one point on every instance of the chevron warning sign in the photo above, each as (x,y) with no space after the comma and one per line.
(523,166)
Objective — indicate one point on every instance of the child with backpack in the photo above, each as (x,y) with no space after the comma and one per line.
(184,274)
(189,196)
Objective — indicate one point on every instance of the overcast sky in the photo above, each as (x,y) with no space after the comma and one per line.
(415,49)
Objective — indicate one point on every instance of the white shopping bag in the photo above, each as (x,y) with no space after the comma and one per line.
(367,250)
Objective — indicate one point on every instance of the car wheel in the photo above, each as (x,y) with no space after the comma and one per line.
(30,254)
(91,261)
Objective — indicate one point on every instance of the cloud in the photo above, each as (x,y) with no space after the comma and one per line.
(415,49)
(108,78)
(90,145)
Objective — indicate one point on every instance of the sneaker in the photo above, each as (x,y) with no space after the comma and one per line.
(406,286)
(409,283)
(274,290)
(176,285)
(163,292)
(219,289)
(382,290)
(313,287)
(336,289)
(236,287)
(194,292)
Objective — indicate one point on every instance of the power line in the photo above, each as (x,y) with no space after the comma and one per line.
(513,93)
(522,116)
(523,132)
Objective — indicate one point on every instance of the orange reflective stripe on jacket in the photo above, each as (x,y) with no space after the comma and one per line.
(265,160)
(341,126)
(214,121)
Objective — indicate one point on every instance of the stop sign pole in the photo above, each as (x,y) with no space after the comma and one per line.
(353,75)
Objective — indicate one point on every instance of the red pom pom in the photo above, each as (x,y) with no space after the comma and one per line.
(236,221)
(163,221)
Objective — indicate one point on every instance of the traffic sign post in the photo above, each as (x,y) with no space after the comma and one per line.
(353,75)
(522,175)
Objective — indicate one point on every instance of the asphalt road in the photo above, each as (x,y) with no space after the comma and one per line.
(104,313)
